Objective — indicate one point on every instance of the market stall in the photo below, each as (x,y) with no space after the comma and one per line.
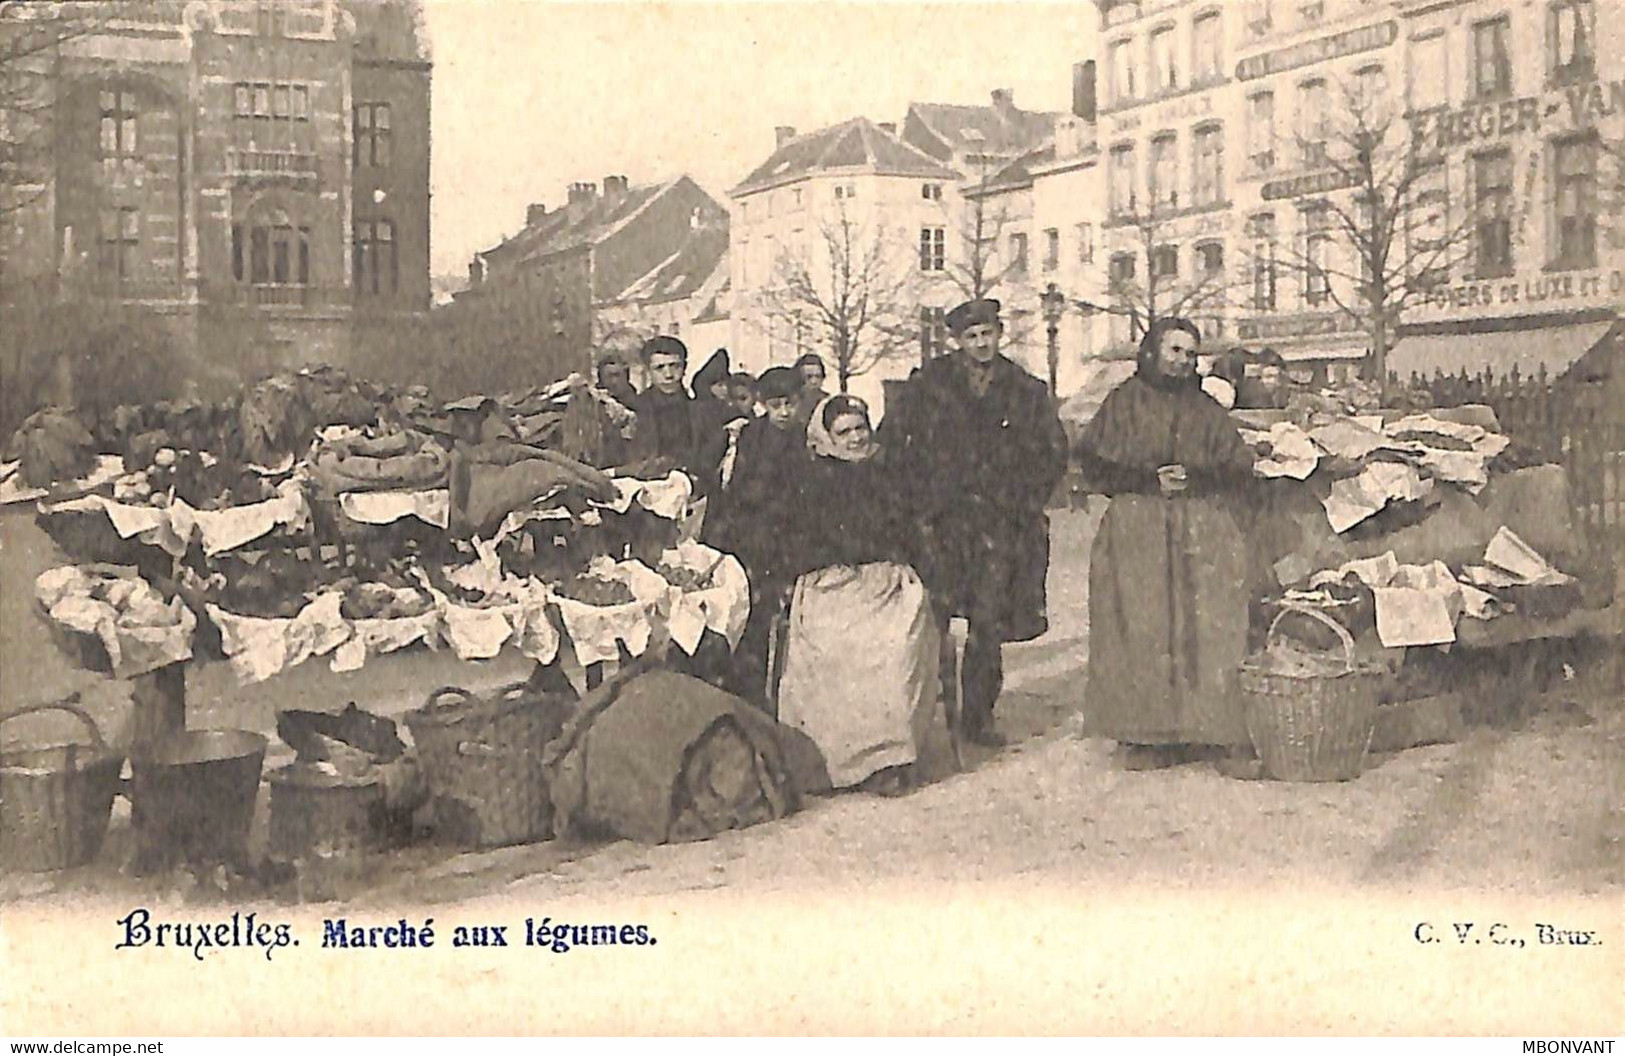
(324,520)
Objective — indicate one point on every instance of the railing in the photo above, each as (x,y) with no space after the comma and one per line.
(291,163)
(1553,420)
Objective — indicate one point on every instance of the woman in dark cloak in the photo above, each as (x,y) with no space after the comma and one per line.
(1169,571)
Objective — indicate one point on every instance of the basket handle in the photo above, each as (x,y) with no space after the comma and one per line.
(449,691)
(1287,608)
(71,708)
(478,749)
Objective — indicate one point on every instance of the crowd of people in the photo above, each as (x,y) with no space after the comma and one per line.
(863,542)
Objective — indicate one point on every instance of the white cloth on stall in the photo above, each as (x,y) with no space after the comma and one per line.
(432,506)
(722,607)
(1353,499)
(234,526)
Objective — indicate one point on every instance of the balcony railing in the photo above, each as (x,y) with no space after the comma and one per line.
(292,164)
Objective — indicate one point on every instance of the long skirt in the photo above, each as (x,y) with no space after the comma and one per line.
(860,671)
(1167,623)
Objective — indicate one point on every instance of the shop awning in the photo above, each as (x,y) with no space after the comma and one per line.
(1554,347)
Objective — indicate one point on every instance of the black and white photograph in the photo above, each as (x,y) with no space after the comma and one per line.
(1043,517)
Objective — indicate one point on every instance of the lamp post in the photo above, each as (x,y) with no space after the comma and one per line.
(1053,302)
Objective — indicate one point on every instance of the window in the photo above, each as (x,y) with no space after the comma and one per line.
(1312,104)
(1086,243)
(795,197)
(120,238)
(1575,171)
(1260,17)
(1262,230)
(1429,72)
(268,101)
(1492,59)
(744,259)
(1370,89)
(1261,131)
(1210,258)
(931,192)
(1052,248)
(1122,59)
(1120,272)
(845,191)
(1492,212)
(375,260)
(1571,35)
(933,241)
(1164,74)
(1120,180)
(118,124)
(1018,253)
(1165,262)
(1317,241)
(1164,173)
(1311,12)
(933,334)
(277,253)
(1207,43)
(1207,153)
(371,135)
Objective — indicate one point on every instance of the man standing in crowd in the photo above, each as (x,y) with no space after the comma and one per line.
(981,449)
(615,378)
(811,370)
(666,421)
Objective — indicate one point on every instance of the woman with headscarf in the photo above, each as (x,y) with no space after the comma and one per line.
(1169,570)
(860,674)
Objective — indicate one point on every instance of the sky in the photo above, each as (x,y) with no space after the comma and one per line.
(532,95)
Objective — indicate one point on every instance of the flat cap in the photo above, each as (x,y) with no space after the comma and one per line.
(982,310)
(778,381)
(663,345)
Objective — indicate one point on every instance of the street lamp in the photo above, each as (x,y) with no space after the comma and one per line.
(1053,302)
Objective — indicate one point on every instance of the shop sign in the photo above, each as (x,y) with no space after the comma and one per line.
(1309,52)
(1170,112)
(1313,183)
(1565,109)
(1539,290)
(1280,327)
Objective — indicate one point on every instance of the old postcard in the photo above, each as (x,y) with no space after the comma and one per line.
(1097,517)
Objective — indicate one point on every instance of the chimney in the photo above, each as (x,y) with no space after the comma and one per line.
(582,194)
(1003,100)
(614,188)
(1083,90)
(782,135)
(889,127)
(535,212)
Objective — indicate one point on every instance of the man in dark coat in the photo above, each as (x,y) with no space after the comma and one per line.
(665,410)
(981,450)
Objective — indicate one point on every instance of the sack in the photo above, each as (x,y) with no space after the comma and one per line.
(660,757)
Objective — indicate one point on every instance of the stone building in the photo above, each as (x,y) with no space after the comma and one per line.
(255,173)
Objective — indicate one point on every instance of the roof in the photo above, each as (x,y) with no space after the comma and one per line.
(857,144)
(714,310)
(684,272)
(572,227)
(994,130)
(1019,173)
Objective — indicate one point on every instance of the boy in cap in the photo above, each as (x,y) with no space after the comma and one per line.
(665,410)
(981,449)
(770,453)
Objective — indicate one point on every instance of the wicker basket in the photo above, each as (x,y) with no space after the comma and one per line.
(482,759)
(55,801)
(1311,727)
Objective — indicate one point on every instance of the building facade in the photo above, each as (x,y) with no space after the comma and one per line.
(254,173)
(1523,105)
(846,226)
(609,268)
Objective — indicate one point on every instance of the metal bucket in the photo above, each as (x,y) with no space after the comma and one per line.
(317,813)
(194,796)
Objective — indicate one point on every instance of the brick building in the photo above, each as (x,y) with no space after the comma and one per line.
(607,268)
(255,173)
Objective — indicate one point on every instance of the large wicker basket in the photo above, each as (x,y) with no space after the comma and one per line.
(1311,727)
(55,801)
(482,759)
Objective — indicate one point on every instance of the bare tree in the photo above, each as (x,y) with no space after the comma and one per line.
(1146,280)
(31,36)
(1382,236)
(852,288)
